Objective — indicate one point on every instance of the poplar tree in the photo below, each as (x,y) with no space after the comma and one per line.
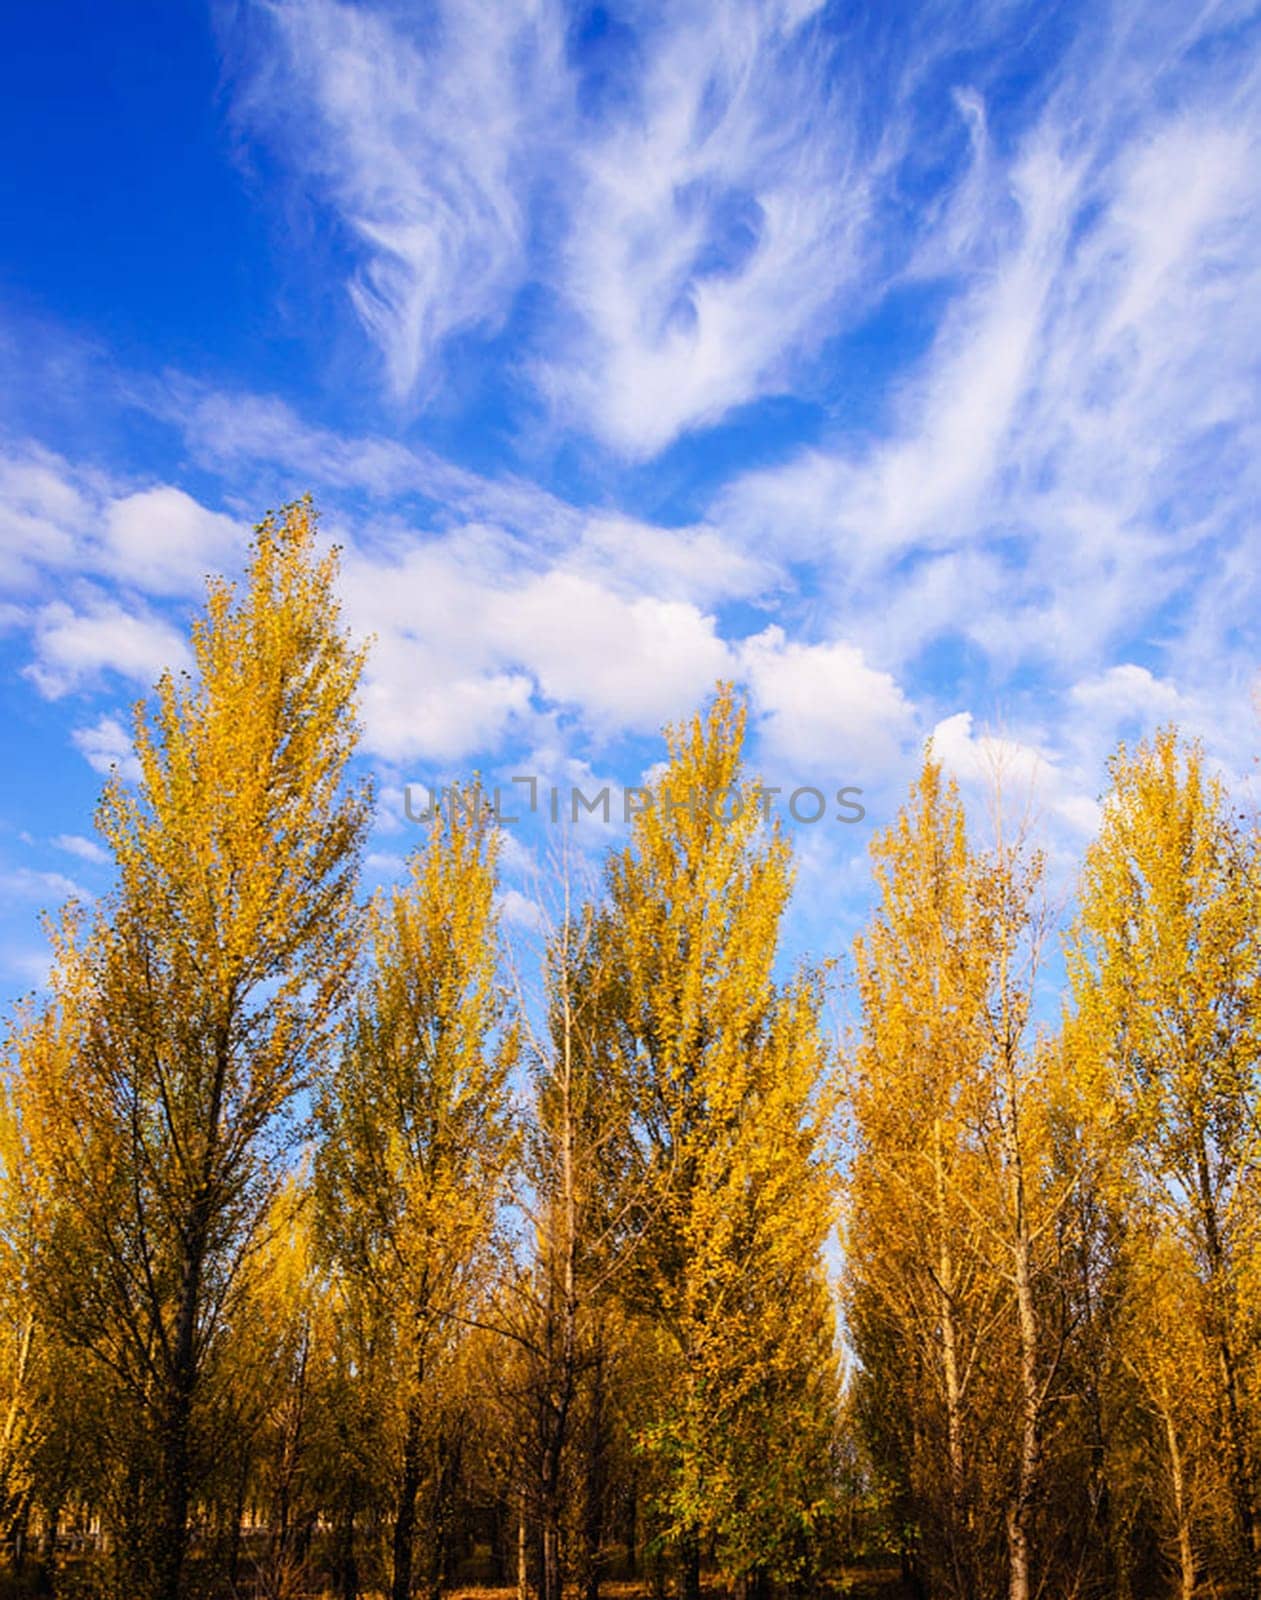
(193,1007)
(557,1305)
(959,1216)
(1164,965)
(725,1153)
(924,1304)
(417,1140)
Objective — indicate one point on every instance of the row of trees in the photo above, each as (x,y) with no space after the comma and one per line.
(311,1224)
(1051,1252)
(331,1259)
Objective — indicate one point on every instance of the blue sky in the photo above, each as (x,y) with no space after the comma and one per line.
(898,361)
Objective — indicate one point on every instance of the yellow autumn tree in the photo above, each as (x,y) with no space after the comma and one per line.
(417,1141)
(23,1418)
(725,1157)
(959,1215)
(555,1304)
(1164,965)
(193,1007)
(924,1304)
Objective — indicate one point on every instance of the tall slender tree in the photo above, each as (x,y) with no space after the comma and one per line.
(193,1008)
(418,1137)
(725,1149)
(1165,971)
(957,1217)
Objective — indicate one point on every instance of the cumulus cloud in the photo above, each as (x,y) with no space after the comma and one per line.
(44,514)
(63,517)
(1021,779)
(469,631)
(162,541)
(47,889)
(823,705)
(76,645)
(518,910)
(1127,691)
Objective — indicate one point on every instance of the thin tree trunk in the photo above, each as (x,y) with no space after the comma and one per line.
(48,1545)
(450,1459)
(174,1442)
(1177,1475)
(690,1563)
(630,1526)
(238,1512)
(950,1358)
(522,1564)
(1240,1466)
(405,1517)
(596,1476)
(346,1569)
(1020,1513)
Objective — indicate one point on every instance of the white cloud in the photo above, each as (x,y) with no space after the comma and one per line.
(46,888)
(632,663)
(162,541)
(1071,473)
(693,563)
(58,517)
(384,865)
(418,142)
(718,217)
(73,647)
(75,844)
(43,515)
(463,645)
(412,706)
(517,910)
(30,967)
(698,223)
(823,706)
(1019,777)
(106,744)
(1127,691)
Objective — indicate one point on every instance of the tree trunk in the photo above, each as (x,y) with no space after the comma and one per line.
(345,1567)
(690,1563)
(595,1476)
(1177,1476)
(1020,1513)
(551,1556)
(48,1545)
(1240,1466)
(522,1564)
(550,1585)
(176,1417)
(172,1532)
(630,1526)
(405,1517)
(450,1460)
(950,1361)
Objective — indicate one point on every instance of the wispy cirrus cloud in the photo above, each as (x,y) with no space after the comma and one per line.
(699,207)
(1070,472)
(419,133)
(1046,509)
(721,211)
